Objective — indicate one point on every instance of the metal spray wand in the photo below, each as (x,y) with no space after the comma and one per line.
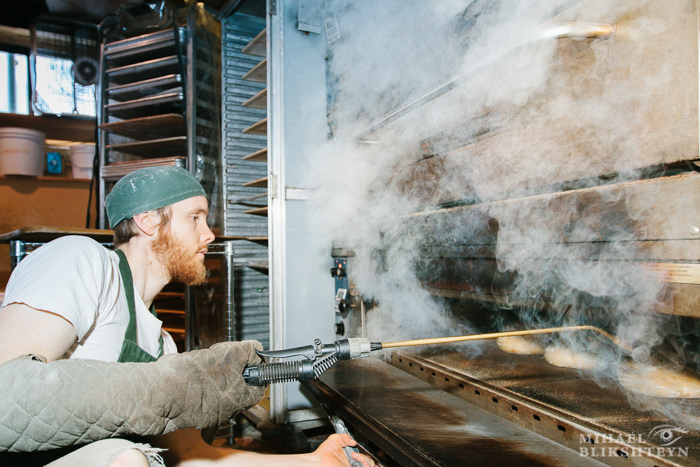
(317,358)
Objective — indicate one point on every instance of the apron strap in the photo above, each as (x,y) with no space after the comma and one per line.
(131,352)
(125,272)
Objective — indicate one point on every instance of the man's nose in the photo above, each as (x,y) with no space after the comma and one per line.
(207,235)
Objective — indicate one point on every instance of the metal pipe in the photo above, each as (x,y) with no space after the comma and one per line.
(472,337)
(579,30)
(558,31)
(363,317)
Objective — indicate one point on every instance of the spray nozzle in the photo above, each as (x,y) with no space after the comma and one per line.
(315,360)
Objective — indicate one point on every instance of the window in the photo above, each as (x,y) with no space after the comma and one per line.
(14,70)
(57,91)
(64,66)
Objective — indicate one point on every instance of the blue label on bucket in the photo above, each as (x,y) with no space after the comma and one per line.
(53,163)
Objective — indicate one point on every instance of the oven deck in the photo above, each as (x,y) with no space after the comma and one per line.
(418,424)
(498,408)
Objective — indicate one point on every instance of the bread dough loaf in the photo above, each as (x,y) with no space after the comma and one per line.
(519,345)
(567,358)
(655,381)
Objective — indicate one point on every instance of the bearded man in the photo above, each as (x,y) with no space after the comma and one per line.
(79,330)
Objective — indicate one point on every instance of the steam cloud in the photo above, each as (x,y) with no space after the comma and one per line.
(529,116)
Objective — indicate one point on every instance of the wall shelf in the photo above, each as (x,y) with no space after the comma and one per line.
(258,46)
(258,73)
(259,183)
(259,128)
(61,128)
(260,155)
(42,178)
(258,101)
(257,211)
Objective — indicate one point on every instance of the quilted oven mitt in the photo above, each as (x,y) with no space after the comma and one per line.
(69,402)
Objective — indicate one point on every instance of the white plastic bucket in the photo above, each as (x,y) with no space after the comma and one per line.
(22,151)
(81,157)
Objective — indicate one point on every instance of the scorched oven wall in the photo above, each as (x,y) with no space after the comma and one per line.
(482,166)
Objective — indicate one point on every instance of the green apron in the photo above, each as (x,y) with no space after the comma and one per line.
(131,352)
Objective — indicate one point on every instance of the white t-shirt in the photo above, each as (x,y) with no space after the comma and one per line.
(77,278)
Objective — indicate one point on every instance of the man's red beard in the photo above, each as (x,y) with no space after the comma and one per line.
(182,265)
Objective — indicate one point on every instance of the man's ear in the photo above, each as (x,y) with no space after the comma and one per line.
(147,222)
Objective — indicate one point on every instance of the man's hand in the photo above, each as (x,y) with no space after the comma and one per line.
(331,454)
(222,376)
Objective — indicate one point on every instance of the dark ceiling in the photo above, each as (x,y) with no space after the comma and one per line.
(19,14)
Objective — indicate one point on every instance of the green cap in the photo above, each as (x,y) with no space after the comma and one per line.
(150,188)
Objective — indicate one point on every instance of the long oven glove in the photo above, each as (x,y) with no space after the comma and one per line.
(69,402)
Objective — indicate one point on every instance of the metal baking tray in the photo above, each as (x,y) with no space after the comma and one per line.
(115,171)
(162,146)
(144,70)
(153,127)
(145,47)
(144,88)
(168,102)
